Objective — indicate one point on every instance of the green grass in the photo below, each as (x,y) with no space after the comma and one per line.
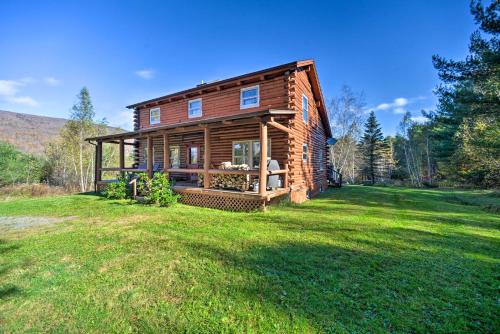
(359,259)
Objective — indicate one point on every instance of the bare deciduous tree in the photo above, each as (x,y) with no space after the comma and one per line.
(346,114)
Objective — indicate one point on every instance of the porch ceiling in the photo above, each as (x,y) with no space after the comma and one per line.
(188,125)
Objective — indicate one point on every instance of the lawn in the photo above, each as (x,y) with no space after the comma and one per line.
(358,259)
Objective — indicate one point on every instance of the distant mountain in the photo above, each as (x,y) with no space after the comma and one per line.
(30,133)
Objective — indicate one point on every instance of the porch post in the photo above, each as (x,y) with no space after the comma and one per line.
(122,155)
(150,157)
(98,163)
(166,153)
(263,159)
(206,158)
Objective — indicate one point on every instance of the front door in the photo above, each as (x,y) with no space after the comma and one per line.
(193,159)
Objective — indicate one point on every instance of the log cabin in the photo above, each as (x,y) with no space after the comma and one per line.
(235,144)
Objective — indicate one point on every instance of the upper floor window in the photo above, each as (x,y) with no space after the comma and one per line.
(305,108)
(305,152)
(249,97)
(154,116)
(194,108)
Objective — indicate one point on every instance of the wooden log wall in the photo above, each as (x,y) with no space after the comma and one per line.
(273,94)
(306,175)
(221,140)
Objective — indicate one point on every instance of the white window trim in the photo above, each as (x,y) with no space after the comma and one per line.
(171,147)
(305,108)
(307,153)
(151,119)
(242,106)
(250,149)
(201,108)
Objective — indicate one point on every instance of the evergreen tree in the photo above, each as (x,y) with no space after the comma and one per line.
(466,126)
(372,147)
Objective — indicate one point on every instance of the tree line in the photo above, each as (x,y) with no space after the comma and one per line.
(458,145)
(68,160)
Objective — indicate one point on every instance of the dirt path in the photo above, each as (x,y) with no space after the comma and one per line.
(24,222)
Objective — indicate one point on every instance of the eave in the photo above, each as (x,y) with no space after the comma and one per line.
(207,121)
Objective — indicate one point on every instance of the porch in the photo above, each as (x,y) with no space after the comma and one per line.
(192,154)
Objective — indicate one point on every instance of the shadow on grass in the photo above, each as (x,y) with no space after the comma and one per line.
(6,246)
(407,204)
(343,289)
(7,290)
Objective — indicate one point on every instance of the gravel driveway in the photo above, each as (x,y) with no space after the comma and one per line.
(23,222)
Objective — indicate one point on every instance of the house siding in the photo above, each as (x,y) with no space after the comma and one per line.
(306,177)
(221,144)
(226,102)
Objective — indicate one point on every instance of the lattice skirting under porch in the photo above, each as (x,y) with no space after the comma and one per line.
(217,201)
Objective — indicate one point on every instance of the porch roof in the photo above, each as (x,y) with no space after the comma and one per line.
(163,128)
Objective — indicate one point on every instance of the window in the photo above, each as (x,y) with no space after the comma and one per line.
(194,108)
(175,157)
(320,158)
(248,152)
(305,152)
(249,97)
(193,155)
(241,153)
(154,116)
(305,108)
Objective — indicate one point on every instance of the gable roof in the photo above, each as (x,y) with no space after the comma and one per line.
(311,73)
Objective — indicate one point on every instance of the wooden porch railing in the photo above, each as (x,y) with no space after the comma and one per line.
(262,173)
(252,172)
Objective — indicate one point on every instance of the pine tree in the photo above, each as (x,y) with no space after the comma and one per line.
(465,126)
(371,148)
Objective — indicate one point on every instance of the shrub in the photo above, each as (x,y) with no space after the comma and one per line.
(144,184)
(17,167)
(117,190)
(156,190)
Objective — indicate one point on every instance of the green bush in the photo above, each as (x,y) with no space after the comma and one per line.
(17,167)
(156,190)
(117,190)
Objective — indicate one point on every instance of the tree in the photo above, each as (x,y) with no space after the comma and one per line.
(388,162)
(71,156)
(371,148)
(346,116)
(466,125)
(18,167)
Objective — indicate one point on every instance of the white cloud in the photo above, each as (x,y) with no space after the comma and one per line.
(24,100)
(396,103)
(10,88)
(383,106)
(51,81)
(400,102)
(145,74)
(419,119)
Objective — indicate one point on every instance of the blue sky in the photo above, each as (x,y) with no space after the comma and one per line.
(128,51)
